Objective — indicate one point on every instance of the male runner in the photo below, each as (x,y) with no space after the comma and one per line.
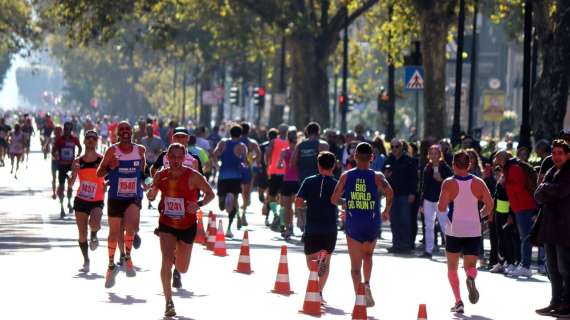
(104,133)
(47,129)
(232,153)
(153,147)
(90,197)
(290,183)
(124,162)
(4,131)
(261,178)
(179,187)
(28,130)
(462,194)
(57,132)
(361,188)
(16,141)
(253,154)
(64,152)
(274,149)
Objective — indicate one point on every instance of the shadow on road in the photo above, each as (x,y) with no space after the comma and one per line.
(472,317)
(127,300)
(88,276)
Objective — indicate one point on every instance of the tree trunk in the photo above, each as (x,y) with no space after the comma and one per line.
(205,84)
(310,83)
(548,107)
(434,29)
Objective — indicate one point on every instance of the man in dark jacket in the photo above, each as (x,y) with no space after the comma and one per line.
(554,195)
(401,172)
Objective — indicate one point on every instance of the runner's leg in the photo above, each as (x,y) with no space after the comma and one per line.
(452,265)
(81,219)
(167,246)
(356,256)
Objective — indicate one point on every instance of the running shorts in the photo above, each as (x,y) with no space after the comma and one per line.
(184,235)
(62,170)
(275,183)
(317,242)
(469,246)
(80,205)
(289,188)
(261,179)
(229,186)
(116,208)
(53,166)
(246,175)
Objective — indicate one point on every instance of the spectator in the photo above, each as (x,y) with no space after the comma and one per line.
(379,154)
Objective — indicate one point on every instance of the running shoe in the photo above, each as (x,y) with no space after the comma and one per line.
(93,244)
(243,220)
(458,307)
(176,279)
(62,213)
(548,310)
(238,221)
(121,260)
(130,268)
(510,268)
(69,207)
(323,301)
(322,262)
(229,233)
(85,267)
(542,269)
(275,224)
(267,224)
(498,268)
(425,255)
(368,295)
(563,312)
(110,276)
(521,272)
(137,241)
(169,312)
(473,293)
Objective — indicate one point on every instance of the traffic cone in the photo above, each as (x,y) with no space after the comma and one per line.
(359,311)
(312,304)
(200,235)
(282,280)
(211,240)
(220,246)
(422,312)
(243,262)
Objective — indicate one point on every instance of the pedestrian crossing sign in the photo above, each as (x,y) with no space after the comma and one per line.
(414,78)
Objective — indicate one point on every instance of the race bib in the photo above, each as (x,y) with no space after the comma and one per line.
(87,190)
(174,207)
(127,187)
(66,154)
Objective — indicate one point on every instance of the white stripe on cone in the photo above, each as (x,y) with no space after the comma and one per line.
(360,301)
(243,259)
(313,297)
(282,278)
(283,259)
(313,276)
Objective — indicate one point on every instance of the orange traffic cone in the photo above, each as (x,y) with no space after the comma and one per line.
(312,304)
(200,235)
(359,311)
(211,240)
(243,262)
(422,312)
(282,280)
(220,246)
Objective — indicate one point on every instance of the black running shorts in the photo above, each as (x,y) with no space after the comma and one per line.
(317,242)
(80,205)
(184,235)
(468,246)
(275,183)
(116,208)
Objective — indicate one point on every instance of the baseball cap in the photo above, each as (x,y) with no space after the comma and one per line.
(180,130)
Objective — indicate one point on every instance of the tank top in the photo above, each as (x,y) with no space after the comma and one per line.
(175,193)
(91,188)
(67,150)
(307,161)
(17,143)
(464,219)
(231,164)
(249,157)
(291,172)
(361,194)
(125,181)
(278,146)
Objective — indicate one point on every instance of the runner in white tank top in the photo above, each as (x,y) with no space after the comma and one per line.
(459,199)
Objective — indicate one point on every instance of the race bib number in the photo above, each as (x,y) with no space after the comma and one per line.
(87,190)
(127,187)
(174,207)
(67,154)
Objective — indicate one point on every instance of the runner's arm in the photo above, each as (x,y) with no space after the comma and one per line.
(219,149)
(268,153)
(153,191)
(198,181)
(105,164)
(384,187)
(443,197)
(294,156)
(338,190)
(256,152)
(74,172)
(78,144)
(485,197)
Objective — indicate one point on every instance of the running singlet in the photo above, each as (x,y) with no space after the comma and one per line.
(17,143)
(66,149)
(249,158)
(91,188)
(231,164)
(291,172)
(362,204)
(463,216)
(278,146)
(125,181)
(175,194)
(307,158)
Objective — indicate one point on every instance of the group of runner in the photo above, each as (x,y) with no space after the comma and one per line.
(15,142)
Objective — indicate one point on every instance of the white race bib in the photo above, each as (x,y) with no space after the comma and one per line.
(87,190)
(174,207)
(127,187)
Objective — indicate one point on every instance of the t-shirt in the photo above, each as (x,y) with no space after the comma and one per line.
(4,130)
(153,147)
(321,213)
(65,147)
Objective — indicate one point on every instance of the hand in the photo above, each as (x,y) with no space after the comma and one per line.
(437,177)
(385,215)
(192,207)
(342,215)
(411,198)
(421,209)
(509,220)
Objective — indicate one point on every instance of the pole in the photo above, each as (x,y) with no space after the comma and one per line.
(260,80)
(335,102)
(474,69)
(391,129)
(458,76)
(344,104)
(525,127)
(418,115)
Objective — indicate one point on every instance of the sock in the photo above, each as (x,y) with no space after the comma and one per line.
(83,247)
(471,272)
(93,234)
(129,238)
(112,246)
(273,207)
(282,215)
(231,216)
(454,282)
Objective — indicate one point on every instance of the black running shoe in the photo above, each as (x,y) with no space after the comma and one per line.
(547,311)
(176,279)
(561,313)
(458,307)
(238,221)
(62,213)
(170,312)
(137,241)
(473,293)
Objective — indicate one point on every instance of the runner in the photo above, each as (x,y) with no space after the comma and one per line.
(320,230)
(232,153)
(104,133)
(4,132)
(179,187)
(461,194)
(153,147)
(361,188)
(124,163)
(253,154)
(16,140)
(261,177)
(290,183)
(47,129)
(64,152)
(89,200)
(28,130)
(274,149)
(57,132)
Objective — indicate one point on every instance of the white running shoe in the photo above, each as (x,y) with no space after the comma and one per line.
(498,268)
(510,268)
(521,272)
(93,244)
(368,295)
(85,268)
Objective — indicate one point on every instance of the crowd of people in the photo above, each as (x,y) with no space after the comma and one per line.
(319,182)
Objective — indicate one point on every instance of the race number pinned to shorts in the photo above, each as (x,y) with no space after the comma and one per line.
(87,190)
(67,154)
(174,207)
(127,187)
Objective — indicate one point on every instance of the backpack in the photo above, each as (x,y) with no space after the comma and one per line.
(531,174)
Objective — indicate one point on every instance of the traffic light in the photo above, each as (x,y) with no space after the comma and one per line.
(383,100)
(234,96)
(342,101)
(259,96)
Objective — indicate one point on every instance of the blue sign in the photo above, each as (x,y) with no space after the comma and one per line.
(414,78)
